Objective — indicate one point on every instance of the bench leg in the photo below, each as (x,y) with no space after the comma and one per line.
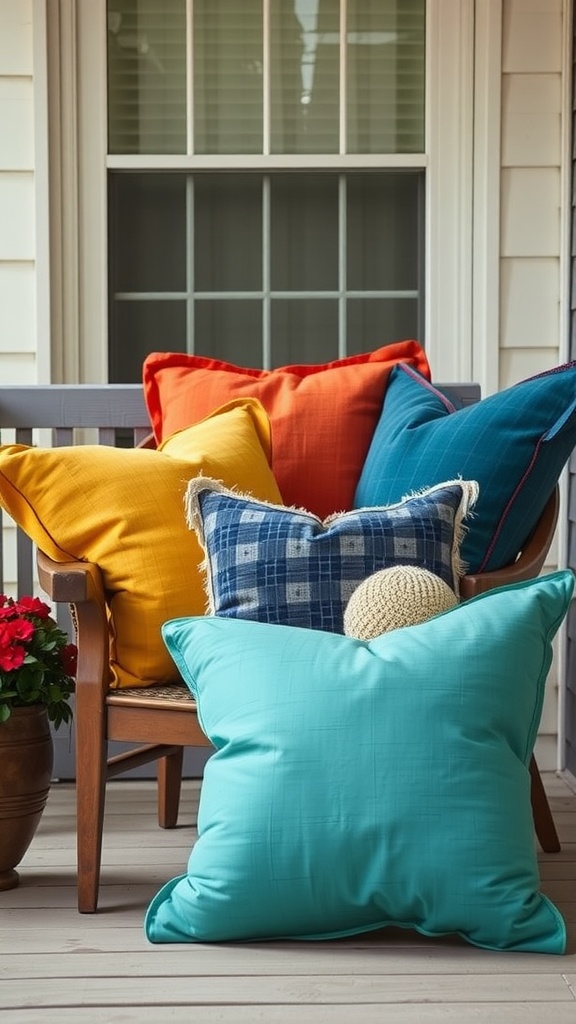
(169,785)
(543,820)
(91,771)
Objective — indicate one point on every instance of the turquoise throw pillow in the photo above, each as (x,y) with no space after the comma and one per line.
(287,566)
(514,443)
(358,784)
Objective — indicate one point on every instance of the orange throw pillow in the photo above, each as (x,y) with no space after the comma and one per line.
(322,416)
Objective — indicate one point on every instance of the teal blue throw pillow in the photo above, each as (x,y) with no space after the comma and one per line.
(514,443)
(287,566)
(358,784)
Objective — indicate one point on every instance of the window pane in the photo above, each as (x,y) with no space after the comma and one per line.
(304,331)
(385,95)
(241,261)
(384,229)
(375,322)
(140,327)
(147,76)
(229,329)
(228,232)
(304,232)
(147,231)
(305,70)
(228,87)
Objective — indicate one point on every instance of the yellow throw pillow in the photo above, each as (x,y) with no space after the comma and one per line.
(124,509)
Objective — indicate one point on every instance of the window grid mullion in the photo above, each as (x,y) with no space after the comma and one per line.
(266,256)
(190,77)
(343,111)
(190,268)
(319,293)
(266,71)
(342,276)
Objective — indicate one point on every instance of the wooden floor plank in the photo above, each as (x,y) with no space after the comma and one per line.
(128,854)
(404,1013)
(285,959)
(347,989)
(102,933)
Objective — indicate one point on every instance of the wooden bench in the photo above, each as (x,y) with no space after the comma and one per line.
(157,723)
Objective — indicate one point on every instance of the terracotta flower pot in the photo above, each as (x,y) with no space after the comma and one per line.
(26,759)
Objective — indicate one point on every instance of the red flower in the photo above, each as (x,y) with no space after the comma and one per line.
(69,659)
(19,629)
(12,654)
(32,606)
(11,657)
(6,634)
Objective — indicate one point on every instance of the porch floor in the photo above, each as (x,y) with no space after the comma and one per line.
(58,965)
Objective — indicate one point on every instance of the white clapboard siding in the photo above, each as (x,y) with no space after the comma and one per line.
(18,214)
(17,120)
(9,536)
(18,368)
(530,212)
(530,306)
(531,119)
(530,225)
(17,283)
(518,363)
(16,47)
(531,154)
(532,36)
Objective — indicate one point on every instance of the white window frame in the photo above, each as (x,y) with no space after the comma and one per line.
(463,59)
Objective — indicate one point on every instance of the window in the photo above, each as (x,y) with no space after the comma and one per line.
(266,178)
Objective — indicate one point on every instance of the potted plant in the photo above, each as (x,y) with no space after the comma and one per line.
(37,669)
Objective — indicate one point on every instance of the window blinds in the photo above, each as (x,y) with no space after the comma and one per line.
(297,74)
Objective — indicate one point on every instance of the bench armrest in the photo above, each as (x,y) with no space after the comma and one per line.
(528,564)
(80,585)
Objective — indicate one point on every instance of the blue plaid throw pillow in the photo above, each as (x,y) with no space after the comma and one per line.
(284,565)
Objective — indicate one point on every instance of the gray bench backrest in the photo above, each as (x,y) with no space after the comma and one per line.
(108,408)
(63,409)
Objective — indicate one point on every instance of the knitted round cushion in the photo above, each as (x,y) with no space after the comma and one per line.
(390,598)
